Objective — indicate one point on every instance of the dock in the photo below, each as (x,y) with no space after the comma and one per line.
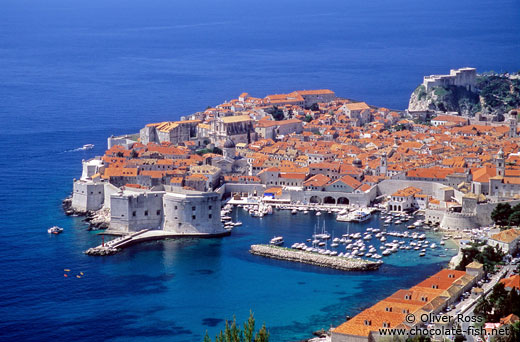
(127,240)
(335,262)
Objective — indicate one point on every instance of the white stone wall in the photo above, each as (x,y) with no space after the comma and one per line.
(87,195)
(190,212)
(134,211)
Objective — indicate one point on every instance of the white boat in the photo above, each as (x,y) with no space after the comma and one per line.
(87,146)
(238,223)
(360,216)
(294,211)
(54,230)
(276,241)
(318,213)
(422,254)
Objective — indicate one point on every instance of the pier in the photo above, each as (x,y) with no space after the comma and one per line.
(335,262)
(115,245)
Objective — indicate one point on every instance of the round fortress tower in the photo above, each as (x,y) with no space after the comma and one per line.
(192,212)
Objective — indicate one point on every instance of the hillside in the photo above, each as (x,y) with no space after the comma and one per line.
(495,95)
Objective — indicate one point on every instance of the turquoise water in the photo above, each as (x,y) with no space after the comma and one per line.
(76,72)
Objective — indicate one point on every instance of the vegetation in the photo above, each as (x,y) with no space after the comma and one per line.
(489,257)
(277,113)
(499,93)
(308,118)
(496,95)
(204,151)
(505,216)
(233,333)
(421,92)
(499,304)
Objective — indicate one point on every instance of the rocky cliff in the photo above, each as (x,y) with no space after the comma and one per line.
(494,95)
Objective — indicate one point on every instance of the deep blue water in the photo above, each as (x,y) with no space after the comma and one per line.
(75,72)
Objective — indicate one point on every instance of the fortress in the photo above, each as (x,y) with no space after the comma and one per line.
(463,77)
(168,208)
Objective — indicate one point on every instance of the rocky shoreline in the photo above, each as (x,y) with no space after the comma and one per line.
(334,262)
(97,220)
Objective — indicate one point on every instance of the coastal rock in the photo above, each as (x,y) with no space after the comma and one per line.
(101,251)
(444,99)
(99,219)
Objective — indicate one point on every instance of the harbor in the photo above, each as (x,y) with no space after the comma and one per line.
(335,262)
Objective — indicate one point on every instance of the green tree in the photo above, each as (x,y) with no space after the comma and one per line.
(514,218)
(262,335)
(482,308)
(308,118)
(501,213)
(206,337)
(249,328)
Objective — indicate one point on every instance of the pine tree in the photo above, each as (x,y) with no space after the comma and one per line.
(206,337)
(235,332)
(262,335)
(249,328)
(227,333)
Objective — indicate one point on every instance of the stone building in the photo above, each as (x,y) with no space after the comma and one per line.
(173,209)
(463,77)
(174,132)
(237,128)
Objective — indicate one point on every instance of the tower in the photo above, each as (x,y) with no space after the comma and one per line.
(513,122)
(383,165)
(500,163)
(229,149)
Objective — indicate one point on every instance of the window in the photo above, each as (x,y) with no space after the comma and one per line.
(388,309)
(192,208)
(210,207)
(146,213)
(175,207)
(158,212)
(133,213)
(193,217)
(209,216)
(386,325)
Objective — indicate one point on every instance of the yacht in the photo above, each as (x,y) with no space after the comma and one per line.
(276,241)
(360,215)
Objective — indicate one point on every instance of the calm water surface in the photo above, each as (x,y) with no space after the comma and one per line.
(75,72)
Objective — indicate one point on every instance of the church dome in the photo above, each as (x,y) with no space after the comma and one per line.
(229,143)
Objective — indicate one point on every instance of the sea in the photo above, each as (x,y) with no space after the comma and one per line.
(73,72)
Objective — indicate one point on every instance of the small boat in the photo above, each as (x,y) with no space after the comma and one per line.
(422,254)
(318,213)
(238,223)
(294,211)
(87,146)
(276,241)
(54,230)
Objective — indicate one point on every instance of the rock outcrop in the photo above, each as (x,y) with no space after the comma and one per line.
(445,99)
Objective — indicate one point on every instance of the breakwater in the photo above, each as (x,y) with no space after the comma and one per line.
(335,262)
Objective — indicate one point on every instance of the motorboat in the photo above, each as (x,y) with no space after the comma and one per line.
(276,241)
(55,230)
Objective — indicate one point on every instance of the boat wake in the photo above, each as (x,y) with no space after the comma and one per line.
(83,148)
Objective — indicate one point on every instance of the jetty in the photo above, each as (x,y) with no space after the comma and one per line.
(127,240)
(335,262)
